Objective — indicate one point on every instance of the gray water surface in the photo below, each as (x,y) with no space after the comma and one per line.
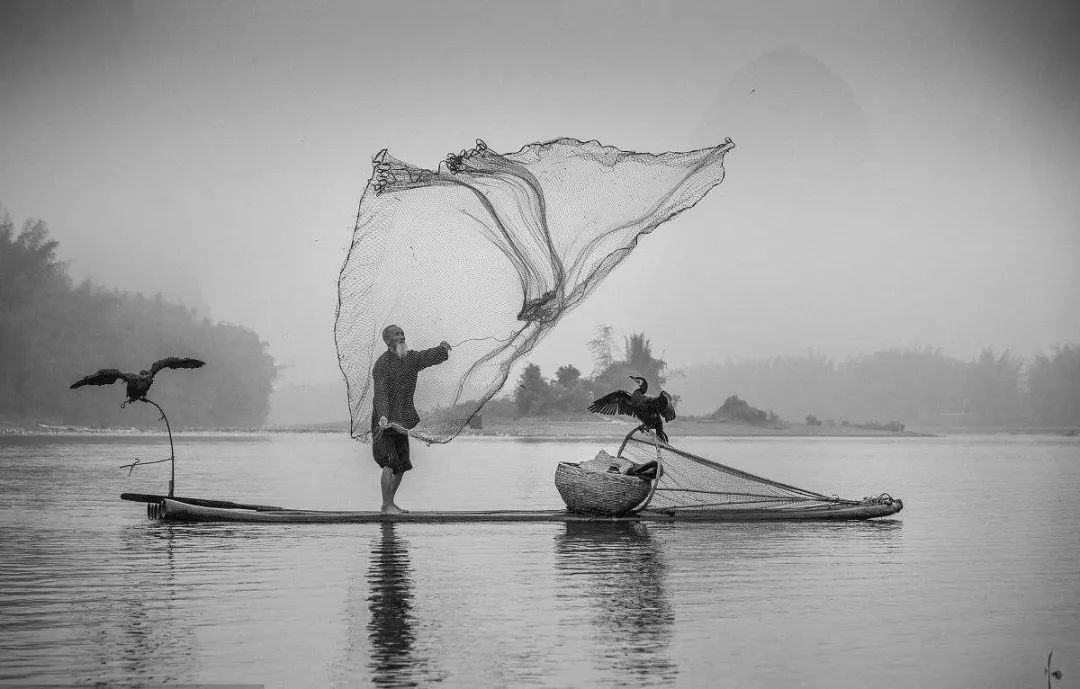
(971,585)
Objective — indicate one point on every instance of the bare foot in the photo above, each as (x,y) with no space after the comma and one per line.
(393,509)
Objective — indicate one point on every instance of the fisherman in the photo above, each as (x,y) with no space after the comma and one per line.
(395,374)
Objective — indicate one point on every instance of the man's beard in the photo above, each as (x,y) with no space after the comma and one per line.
(401,350)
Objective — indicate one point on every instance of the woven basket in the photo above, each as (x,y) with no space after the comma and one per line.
(592,492)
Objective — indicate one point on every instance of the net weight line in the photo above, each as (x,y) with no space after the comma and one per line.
(732,471)
(454,345)
(764,497)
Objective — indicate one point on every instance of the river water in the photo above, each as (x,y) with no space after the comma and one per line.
(971,585)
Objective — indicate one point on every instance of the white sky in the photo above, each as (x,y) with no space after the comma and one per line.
(903,174)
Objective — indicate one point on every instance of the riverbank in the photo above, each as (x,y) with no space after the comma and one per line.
(543,428)
(548,428)
(33,429)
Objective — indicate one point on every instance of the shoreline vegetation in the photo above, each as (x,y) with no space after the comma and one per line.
(538,428)
(53,332)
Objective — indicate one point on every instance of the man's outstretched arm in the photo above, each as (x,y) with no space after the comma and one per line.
(435,355)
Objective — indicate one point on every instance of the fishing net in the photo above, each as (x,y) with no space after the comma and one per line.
(488,252)
(690,483)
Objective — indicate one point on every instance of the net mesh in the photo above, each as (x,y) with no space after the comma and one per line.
(690,482)
(488,252)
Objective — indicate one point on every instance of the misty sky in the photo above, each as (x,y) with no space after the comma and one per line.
(903,175)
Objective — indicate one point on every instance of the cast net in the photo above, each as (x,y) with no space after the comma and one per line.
(487,252)
(689,482)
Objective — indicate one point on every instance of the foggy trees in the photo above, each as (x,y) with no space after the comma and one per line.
(735,409)
(52,333)
(28,265)
(533,395)
(993,387)
(909,385)
(918,386)
(570,392)
(1054,385)
(637,360)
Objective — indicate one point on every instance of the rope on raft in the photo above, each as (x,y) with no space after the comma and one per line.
(139,463)
(880,499)
(454,345)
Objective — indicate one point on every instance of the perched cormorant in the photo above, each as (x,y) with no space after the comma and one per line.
(138,384)
(651,411)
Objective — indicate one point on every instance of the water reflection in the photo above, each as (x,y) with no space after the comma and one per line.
(159,578)
(779,539)
(619,569)
(152,646)
(391,629)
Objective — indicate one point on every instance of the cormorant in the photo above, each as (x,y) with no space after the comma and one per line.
(138,384)
(651,411)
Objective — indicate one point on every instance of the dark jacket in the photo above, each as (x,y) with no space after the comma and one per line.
(395,384)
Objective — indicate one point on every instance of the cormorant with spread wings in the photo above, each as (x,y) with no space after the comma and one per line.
(138,384)
(651,411)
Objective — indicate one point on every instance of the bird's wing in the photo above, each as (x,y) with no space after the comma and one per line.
(665,406)
(617,402)
(105,376)
(175,362)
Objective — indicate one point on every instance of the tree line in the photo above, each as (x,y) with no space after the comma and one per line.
(570,391)
(53,332)
(918,385)
(892,388)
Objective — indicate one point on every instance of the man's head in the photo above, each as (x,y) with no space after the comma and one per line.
(394,337)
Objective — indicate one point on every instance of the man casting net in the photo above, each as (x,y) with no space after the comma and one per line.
(489,251)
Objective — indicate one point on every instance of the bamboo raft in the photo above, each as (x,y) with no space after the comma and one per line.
(179,510)
(594,497)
